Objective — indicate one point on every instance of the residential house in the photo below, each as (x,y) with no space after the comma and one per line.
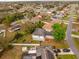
(36,18)
(41,34)
(41,53)
(14,27)
(48,25)
(38,34)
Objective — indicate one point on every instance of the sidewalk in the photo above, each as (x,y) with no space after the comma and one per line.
(75,36)
(24,44)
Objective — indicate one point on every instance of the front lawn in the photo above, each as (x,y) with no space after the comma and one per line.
(76,42)
(51,42)
(67,57)
(76,33)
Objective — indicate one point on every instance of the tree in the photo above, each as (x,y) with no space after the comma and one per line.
(58,32)
(13,17)
(8,19)
(30,14)
(39,24)
(46,18)
(19,35)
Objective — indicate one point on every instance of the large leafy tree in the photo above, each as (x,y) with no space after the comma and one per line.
(58,32)
(13,17)
(30,14)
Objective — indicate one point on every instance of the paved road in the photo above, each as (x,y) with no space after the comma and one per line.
(69,38)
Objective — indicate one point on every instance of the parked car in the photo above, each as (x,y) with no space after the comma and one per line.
(66,50)
(57,50)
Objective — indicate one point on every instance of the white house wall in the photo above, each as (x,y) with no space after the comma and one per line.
(39,38)
(49,37)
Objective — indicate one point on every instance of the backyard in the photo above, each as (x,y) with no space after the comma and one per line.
(62,44)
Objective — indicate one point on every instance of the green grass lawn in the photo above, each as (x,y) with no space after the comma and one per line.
(76,42)
(67,57)
(62,44)
(76,33)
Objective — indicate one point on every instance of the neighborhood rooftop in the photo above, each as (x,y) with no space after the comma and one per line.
(39,32)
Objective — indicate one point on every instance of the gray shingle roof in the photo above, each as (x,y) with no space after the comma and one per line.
(29,56)
(39,31)
(41,51)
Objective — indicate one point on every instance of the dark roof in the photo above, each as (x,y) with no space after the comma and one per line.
(29,56)
(39,31)
(48,33)
(42,53)
(49,55)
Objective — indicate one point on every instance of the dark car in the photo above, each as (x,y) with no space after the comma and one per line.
(66,50)
(57,50)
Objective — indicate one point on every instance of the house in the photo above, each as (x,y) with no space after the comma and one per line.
(38,34)
(41,53)
(14,28)
(47,26)
(41,34)
(55,19)
(36,18)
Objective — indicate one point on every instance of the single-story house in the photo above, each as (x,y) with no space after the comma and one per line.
(36,18)
(48,25)
(14,28)
(41,34)
(38,34)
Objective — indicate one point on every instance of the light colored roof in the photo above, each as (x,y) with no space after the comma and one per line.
(47,27)
(36,18)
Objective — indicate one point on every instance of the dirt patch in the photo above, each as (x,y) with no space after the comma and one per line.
(14,53)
